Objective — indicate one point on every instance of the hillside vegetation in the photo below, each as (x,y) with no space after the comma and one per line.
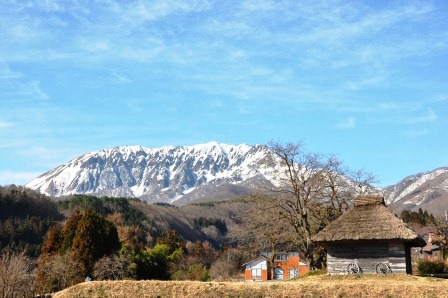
(315,286)
(197,242)
(25,217)
(208,221)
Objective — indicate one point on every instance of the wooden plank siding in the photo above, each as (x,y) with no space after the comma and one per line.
(366,255)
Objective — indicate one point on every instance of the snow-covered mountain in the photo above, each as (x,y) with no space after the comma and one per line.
(164,174)
(214,171)
(428,191)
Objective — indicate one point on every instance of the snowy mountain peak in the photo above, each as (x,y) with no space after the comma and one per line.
(428,190)
(156,174)
(184,173)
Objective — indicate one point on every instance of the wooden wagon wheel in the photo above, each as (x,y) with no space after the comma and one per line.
(382,268)
(353,268)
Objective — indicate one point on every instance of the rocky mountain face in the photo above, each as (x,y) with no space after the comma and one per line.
(214,171)
(167,174)
(428,191)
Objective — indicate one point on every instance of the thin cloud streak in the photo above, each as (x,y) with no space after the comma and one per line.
(104,73)
(20,178)
(347,123)
(430,116)
(5,124)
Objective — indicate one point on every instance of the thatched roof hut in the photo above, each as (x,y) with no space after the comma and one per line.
(370,234)
(369,219)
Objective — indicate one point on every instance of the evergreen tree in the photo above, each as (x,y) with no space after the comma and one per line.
(69,231)
(95,237)
(425,217)
(25,217)
(152,264)
(421,216)
(53,241)
(172,240)
(405,216)
(414,218)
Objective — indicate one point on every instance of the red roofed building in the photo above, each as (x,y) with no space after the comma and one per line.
(286,265)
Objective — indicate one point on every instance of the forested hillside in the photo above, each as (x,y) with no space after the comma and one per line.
(195,222)
(156,241)
(125,238)
(116,238)
(25,217)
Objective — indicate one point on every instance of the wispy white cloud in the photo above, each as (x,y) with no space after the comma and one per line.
(158,45)
(120,78)
(249,59)
(134,105)
(389,105)
(217,104)
(441,98)
(5,124)
(134,13)
(94,46)
(351,22)
(13,83)
(416,133)
(314,32)
(429,116)
(7,74)
(347,123)
(375,79)
(17,177)
(32,90)
(45,5)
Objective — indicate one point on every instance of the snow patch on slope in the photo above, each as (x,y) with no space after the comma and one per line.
(415,186)
(165,173)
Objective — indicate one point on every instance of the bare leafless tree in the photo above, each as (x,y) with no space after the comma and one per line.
(340,185)
(226,266)
(114,267)
(57,272)
(312,190)
(16,276)
(264,225)
(66,271)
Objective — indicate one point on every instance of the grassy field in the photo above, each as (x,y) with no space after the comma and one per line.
(313,286)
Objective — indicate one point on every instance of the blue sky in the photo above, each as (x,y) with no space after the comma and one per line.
(365,80)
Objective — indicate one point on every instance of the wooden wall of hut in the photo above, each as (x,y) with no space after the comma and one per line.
(367,256)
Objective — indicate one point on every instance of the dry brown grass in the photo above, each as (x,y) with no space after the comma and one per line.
(314,286)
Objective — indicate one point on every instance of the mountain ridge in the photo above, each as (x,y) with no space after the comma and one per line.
(426,190)
(184,174)
(156,174)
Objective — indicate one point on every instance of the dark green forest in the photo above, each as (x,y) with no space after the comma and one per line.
(421,217)
(25,218)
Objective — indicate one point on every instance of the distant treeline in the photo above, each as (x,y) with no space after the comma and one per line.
(204,222)
(25,217)
(421,217)
(104,206)
(121,213)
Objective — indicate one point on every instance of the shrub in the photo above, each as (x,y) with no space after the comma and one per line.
(428,267)
(314,272)
(198,272)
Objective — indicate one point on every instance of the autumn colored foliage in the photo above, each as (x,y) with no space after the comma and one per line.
(83,240)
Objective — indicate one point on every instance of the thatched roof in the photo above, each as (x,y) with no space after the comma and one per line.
(369,219)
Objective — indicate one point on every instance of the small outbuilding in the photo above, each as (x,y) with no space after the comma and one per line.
(257,269)
(368,238)
(287,265)
(433,250)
